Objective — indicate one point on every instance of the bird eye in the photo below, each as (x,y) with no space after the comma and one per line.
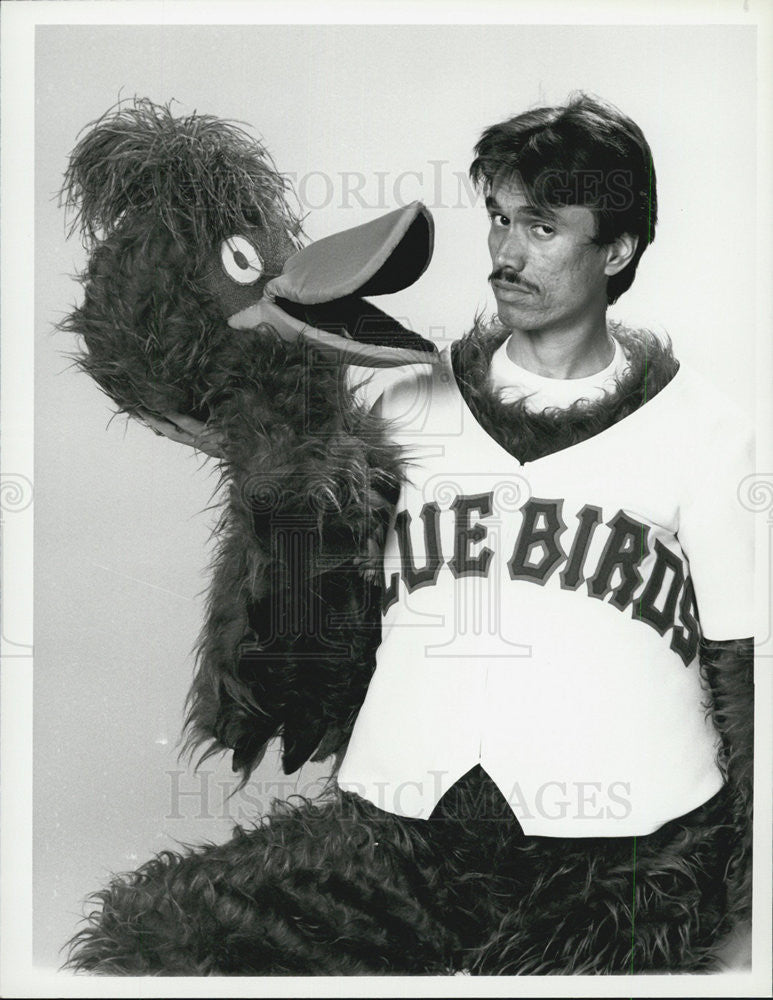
(241,261)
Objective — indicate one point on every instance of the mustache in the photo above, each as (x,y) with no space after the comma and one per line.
(510,275)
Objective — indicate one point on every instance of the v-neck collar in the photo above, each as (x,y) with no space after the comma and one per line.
(603,436)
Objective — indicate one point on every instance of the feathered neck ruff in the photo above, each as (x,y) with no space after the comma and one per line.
(531,435)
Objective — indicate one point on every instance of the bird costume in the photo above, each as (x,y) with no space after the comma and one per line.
(199,300)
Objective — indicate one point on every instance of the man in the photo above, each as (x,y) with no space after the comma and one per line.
(533,783)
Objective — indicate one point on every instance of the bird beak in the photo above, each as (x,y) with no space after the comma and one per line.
(319,295)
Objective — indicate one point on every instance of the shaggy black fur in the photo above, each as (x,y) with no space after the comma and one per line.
(728,669)
(203,178)
(310,490)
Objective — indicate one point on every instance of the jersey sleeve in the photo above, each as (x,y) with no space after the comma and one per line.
(716,530)
(371,386)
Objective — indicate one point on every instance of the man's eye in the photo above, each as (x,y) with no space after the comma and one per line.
(499,220)
(543,230)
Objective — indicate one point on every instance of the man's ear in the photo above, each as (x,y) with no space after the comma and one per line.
(619,253)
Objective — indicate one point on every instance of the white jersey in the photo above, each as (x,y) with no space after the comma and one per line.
(542,619)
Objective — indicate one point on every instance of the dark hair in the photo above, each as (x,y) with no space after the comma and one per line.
(587,153)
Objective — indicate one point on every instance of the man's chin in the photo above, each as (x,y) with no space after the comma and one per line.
(512,313)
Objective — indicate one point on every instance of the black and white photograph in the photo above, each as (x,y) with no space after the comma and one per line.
(387,499)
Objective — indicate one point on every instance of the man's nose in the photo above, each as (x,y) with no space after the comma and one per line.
(510,251)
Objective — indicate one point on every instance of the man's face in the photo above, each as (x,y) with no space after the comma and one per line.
(547,273)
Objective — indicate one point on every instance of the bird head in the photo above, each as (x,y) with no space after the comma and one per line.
(185,220)
(195,262)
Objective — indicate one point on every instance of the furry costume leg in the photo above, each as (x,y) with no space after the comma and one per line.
(614,905)
(340,887)
(333,887)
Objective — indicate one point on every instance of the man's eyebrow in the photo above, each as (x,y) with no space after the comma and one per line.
(529,211)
